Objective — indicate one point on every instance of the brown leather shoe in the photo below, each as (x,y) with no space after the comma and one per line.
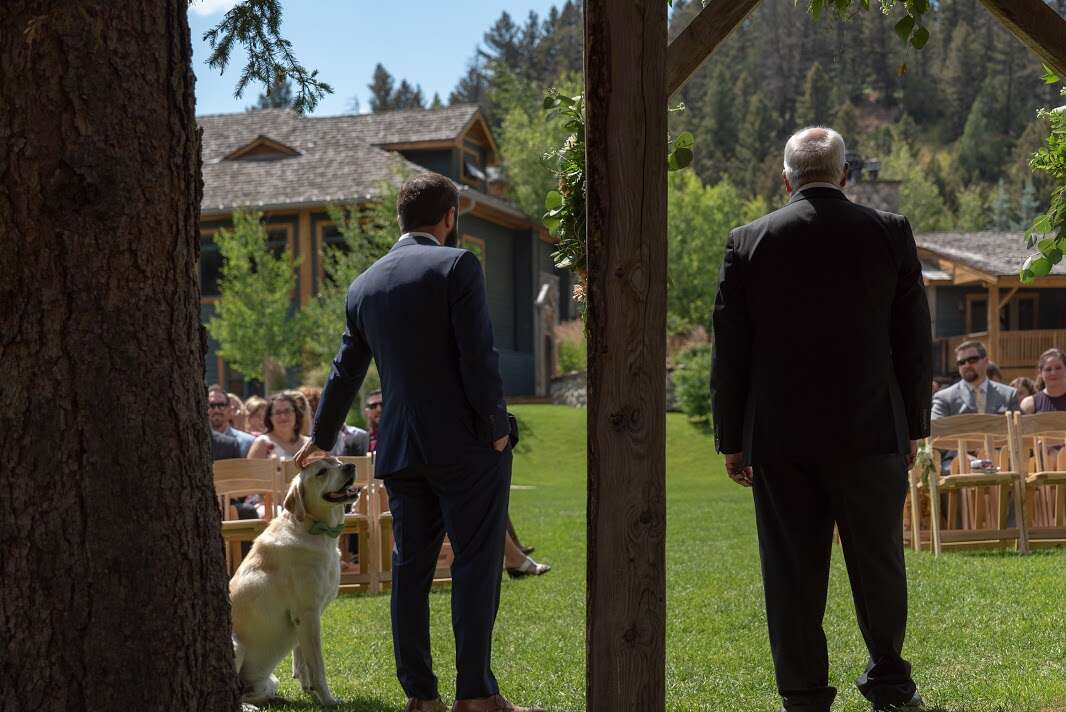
(436,705)
(496,703)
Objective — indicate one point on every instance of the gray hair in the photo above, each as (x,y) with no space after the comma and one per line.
(814,153)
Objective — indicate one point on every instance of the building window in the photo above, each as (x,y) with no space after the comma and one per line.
(471,168)
(210,267)
(477,246)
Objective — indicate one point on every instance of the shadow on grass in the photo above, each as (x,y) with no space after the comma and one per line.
(703,425)
(359,704)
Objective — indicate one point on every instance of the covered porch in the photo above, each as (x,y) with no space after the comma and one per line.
(974,293)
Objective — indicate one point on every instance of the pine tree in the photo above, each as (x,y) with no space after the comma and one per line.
(1002,209)
(718,132)
(812,108)
(973,210)
(755,141)
(501,42)
(277,96)
(1028,208)
(960,80)
(407,97)
(473,87)
(381,90)
(846,123)
(982,150)
(436,103)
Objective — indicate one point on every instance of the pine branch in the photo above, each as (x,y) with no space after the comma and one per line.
(256,24)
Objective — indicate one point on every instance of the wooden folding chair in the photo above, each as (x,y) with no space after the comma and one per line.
(977,510)
(241,477)
(916,530)
(1041,438)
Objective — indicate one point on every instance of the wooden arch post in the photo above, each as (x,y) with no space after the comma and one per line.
(629,73)
(625,89)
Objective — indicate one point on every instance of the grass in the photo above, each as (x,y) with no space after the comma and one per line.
(986,630)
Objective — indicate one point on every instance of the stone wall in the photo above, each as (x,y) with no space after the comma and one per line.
(571,389)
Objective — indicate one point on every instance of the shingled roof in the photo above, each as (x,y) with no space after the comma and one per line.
(337,157)
(999,254)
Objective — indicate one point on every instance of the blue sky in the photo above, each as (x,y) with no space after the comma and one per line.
(427,42)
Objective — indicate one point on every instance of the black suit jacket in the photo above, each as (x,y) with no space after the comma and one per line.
(420,312)
(224,447)
(822,343)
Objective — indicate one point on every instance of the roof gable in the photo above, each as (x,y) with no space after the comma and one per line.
(261,148)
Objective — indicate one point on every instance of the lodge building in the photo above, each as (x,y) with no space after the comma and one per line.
(292,167)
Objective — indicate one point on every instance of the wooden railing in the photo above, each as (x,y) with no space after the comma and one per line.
(1017,349)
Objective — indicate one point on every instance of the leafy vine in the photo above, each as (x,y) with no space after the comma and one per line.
(1048,231)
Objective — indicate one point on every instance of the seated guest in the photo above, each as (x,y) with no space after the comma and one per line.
(1052,370)
(283,420)
(218,414)
(359,441)
(305,410)
(1024,386)
(237,416)
(993,372)
(223,447)
(975,393)
(255,408)
(940,382)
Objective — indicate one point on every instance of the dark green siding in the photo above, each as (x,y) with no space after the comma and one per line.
(442,162)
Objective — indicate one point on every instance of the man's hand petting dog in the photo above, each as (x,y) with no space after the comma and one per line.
(309,453)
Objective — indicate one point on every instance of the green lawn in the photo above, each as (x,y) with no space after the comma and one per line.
(987,630)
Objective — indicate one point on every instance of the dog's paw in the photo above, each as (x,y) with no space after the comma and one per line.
(325,699)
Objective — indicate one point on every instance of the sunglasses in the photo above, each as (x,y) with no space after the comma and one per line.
(217,405)
(970,360)
(373,406)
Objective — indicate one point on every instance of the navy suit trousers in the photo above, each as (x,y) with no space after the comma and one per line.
(469,503)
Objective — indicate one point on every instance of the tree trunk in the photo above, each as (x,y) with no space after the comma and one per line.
(114,589)
(625,86)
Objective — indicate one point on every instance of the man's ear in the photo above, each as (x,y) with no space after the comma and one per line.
(294,500)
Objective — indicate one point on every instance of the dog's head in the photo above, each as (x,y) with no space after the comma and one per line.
(320,487)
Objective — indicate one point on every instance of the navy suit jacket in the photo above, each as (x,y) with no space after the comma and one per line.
(822,341)
(420,312)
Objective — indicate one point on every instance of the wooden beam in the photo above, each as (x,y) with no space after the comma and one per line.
(1010,295)
(625,89)
(700,37)
(993,322)
(1039,28)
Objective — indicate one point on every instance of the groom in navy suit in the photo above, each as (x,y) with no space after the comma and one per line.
(443,449)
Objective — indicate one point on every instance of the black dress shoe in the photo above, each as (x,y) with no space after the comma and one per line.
(911,705)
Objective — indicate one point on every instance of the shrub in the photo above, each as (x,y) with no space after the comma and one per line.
(573,349)
(692,382)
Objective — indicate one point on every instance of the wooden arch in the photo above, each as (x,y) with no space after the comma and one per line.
(630,71)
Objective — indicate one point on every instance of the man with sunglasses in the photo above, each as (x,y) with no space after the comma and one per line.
(218,416)
(362,442)
(976,392)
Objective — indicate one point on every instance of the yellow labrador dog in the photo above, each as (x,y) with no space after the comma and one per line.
(285,583)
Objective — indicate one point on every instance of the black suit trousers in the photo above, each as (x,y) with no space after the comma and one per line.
(796,506)
(469,502)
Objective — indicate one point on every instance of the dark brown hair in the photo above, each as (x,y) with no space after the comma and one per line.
(298,413)
(981,350)
(1024,386)
(1047,356)
(424,200)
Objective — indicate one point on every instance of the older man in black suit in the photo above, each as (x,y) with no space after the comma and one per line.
(442,448)
(825,286)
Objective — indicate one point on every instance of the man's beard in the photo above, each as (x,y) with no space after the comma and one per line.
(452,239)
(969,376)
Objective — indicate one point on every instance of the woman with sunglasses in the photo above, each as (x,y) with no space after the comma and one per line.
(1051,370)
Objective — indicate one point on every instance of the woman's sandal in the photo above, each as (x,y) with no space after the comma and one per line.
(528,567)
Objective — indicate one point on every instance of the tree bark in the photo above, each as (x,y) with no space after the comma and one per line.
(625,87)
(114,589)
